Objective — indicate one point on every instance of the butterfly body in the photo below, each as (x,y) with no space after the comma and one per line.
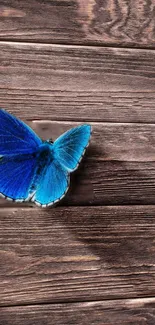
(36,170)
(44,158)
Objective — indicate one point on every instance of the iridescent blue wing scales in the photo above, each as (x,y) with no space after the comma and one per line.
(16,174)
(18,145)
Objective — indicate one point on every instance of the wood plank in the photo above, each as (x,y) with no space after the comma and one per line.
(76,254)
(77,83)
(126,142)
(124,312)
(118,168)
(129,23)
(107,183)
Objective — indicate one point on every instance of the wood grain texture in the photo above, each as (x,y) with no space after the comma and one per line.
(124,312)
(92,253)
(125,23)
(77,83)
(118,167)
(76,254)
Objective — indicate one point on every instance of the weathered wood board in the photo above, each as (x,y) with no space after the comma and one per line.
(76,254)
(119,23)
(124,312)
(90,260)
(77,83)
(117,167)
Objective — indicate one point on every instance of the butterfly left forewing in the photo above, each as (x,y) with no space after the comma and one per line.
(18,157)
(15,136)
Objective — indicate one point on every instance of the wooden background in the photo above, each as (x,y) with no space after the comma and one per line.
(91,260)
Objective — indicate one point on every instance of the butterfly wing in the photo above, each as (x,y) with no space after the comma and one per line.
(70,146)
(16,175)
(15,136)
(53,185)
(18,144)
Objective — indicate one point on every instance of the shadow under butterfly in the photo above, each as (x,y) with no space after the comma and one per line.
(36,170)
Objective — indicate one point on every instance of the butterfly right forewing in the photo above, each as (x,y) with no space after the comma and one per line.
(70,146)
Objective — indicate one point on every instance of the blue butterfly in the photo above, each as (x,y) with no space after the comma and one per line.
(36,170)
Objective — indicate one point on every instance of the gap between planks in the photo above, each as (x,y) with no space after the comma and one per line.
(127,312)
(77,45)
(133,300)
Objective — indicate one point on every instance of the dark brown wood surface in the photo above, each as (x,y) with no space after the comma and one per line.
(91,259)
(125,23)
(76,254)
(132,312)
(77,83)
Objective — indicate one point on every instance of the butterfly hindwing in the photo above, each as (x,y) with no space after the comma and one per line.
(70,146)
(53,185)
(15,136)
(16,175)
